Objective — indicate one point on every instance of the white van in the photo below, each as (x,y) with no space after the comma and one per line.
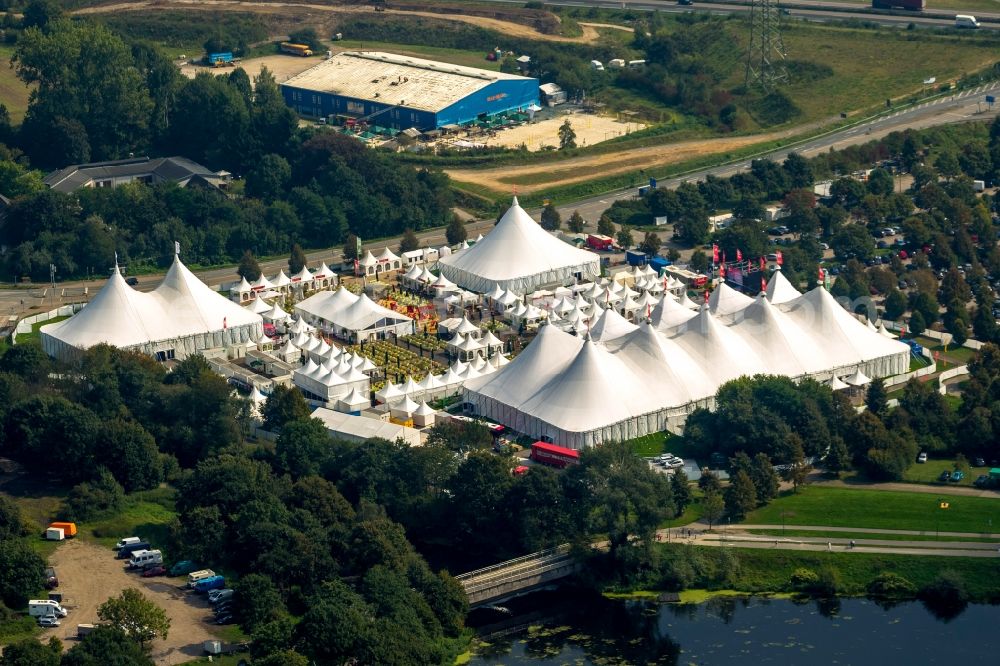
(966,21)
(43,607)
(195,576)
(127,541)
(142,558)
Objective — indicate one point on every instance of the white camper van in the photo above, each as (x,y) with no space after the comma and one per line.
(966,21)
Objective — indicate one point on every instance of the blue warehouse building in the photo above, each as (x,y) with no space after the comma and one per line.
(402,92)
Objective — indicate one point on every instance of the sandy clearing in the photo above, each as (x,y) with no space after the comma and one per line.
(579,169)
(90,574)
(589,128)
(283,67)
(590,33)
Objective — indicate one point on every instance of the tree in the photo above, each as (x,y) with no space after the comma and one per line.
(681,491)
(351,252)
(741,496)
(895,305)
(337,625)
(712,507)
(567,136)
(576,222)
(296,260)
(269,178)
(650,244)
(550,220)
(409,241)
(101,497)
(302,447)
(41,13)
(106,646)
(838,458)
(605,226)
(284,405)
(880,182)
(456,232)
(877,398)
(136,616)
(283,658)
(248,269)
(699,261)
(917,325)
(797,471)
(30,652)
(20,572)
(624,237)
(257,601)
(765,478)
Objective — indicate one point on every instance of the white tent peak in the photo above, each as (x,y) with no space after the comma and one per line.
(780,290)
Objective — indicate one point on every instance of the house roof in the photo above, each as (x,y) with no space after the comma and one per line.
(396,80)
(178,169)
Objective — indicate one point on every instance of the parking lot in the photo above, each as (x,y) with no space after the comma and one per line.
(89,574)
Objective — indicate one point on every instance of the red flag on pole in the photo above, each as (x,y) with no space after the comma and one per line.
(763,264)
(224,323)
(779,259)
(706,295)
(739,255)
(715,253)
(722,271)
(763,284)
(821,274)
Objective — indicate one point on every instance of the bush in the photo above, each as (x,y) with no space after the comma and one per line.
(892,586)
(90,500)
(802,579)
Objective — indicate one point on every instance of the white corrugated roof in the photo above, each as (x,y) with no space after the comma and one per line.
(396,80)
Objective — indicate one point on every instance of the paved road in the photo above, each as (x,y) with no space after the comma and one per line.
(816,12)
(732,538)
(743,527)
(927,488)
(965,106)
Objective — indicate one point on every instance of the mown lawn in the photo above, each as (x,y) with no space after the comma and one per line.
(13,92)
(650,445)
(849,507)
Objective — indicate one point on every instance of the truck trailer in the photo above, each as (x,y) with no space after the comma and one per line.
(910,5)
(554,455)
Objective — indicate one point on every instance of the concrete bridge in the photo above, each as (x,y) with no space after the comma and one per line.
(521,575)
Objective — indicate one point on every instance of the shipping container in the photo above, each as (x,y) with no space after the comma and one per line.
(68,528)
(600,242)
(635,258)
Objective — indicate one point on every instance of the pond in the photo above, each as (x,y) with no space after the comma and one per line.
(562,628)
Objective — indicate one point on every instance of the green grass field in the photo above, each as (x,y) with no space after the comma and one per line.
(13,92)
(850,507)
(770,570)
(147,514)
(930,471)
(456,56)
(35,336)
(650,445)
(872,65)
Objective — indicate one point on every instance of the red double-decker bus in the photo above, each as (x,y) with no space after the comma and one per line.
(556,456)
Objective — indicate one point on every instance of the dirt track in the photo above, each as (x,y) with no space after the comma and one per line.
(590,32)
(579,169)
(90,574)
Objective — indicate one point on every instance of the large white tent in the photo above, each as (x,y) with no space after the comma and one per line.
(518,254)
(351,317)
(182,316)
(580,393)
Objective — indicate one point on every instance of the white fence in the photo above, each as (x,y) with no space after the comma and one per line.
(960,371)
(25,325)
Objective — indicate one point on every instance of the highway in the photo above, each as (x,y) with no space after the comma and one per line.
(805,10)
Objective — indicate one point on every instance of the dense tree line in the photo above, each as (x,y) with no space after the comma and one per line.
(306,186)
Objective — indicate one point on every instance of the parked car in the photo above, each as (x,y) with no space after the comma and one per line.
(48,621)
(218,596)
(155,570)
(944,476)
(127,541)
(979,462)
(131,281)
(922,458)
(957,476)
(225,619)
(183,567)
(982,481)
(51,579)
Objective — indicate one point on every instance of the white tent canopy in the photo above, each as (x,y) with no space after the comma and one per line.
(580,393)
(518,254)
(780,290)
(181,316)
(352,317)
